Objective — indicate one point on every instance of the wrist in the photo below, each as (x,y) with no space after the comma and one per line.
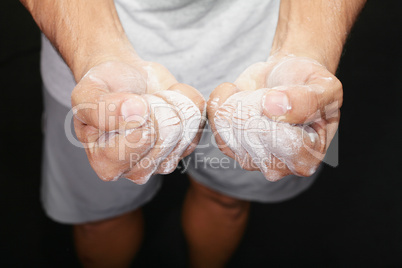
(315,29)
(85,59)
(304,45)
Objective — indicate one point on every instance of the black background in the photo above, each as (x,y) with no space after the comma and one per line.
(352,215)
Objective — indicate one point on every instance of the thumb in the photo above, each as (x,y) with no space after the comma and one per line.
(108,111)
(301,104)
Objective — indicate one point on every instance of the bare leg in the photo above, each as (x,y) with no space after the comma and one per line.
(213,225)
(109,243)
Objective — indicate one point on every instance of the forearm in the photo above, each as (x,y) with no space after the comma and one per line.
(84,32)
(315,28)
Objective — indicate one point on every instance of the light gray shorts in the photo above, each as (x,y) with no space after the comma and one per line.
(73,193)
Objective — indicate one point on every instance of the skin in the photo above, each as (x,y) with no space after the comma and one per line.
(213,223)
(120,238)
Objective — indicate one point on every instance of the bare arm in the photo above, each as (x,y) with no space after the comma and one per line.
(85,33)
(315,29)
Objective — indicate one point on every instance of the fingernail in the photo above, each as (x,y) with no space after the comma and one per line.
(276,103)
(133,110)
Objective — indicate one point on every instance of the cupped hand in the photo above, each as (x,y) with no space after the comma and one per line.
(278,117)
(135,119)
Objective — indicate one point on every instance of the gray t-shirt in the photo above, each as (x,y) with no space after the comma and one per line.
(202,42)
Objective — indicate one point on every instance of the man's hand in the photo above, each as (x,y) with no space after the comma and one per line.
(279,116)
(135,120)
(133,117)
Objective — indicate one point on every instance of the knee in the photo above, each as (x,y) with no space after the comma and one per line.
(223,204)
(98,228)
(93,229)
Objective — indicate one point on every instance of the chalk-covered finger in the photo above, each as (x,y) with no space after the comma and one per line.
(190,119)
(216,100)
(167,125)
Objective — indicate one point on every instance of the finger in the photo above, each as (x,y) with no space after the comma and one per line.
(301,104)
(164,78)
(218,96)
(229,120)
(262,158)
(111,154)
(253,77)
(296,146)
(86,134)
(273,168)
(216,100)
(193,144)
(312,153)
(190,120)
(167,124)
(248,125)
(95,106)
(196,97)
(191,93)
(332,123)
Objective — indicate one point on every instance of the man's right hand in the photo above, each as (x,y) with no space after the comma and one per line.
(135,119)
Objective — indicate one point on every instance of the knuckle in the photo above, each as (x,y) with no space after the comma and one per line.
(218,198)
(224,87)
(75,96)
(157,67)
(305,171)
(338,84)
(339,92)
(200,102)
